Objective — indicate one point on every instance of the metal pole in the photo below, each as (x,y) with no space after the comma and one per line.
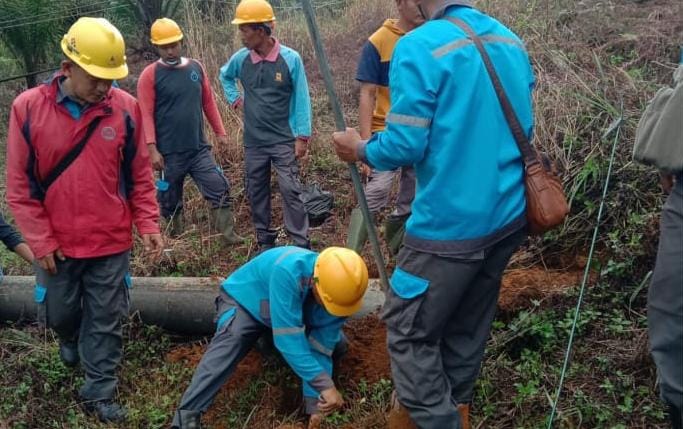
(340,123)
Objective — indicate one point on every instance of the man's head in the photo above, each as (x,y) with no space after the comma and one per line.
(254,35)
(84,87)
(170,53)
(95,57)
(432,9)
(340,279)
(166,35)
(410,13)
(256,21)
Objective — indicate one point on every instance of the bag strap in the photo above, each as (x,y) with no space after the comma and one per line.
(70,157)
(528,152)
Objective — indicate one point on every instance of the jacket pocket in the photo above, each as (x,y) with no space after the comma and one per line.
(125,298)
(404,301)
(39,295)
(128,281)
(225,319)
(406,285)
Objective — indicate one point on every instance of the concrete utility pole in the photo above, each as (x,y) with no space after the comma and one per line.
(179,304)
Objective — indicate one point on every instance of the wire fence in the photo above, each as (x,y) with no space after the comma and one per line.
(100,6)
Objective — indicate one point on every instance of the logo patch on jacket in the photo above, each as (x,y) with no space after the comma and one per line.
(108,133)
(194,76)
(278,77)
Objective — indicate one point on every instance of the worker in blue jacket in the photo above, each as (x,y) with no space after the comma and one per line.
(468,216)
(303,297)
(277,119)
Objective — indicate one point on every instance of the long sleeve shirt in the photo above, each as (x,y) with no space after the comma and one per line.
(8,235)
(276,289)
(174,101)
(446,120)
(276,101)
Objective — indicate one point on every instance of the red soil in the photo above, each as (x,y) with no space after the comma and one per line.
(367,357)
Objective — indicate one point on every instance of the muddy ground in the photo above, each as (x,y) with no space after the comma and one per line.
(367,360)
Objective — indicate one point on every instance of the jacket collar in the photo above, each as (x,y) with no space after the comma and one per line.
(53,92)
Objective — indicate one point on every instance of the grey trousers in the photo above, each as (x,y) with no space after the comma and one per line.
(85,302)
(665,301)
(378,190)
(436,340)
(201,166)
(228,347)
(258,160)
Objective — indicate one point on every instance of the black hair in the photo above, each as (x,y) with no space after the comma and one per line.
(262,25)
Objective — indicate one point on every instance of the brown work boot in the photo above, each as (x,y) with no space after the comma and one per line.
(398,417)
(464,411)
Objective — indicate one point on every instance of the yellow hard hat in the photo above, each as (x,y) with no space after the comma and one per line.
(165,31)
(97,47)
(341,279)
(253,12)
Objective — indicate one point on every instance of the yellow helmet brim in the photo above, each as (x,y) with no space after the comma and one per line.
(167,41)
(109,73)
(341,310)
(240,21)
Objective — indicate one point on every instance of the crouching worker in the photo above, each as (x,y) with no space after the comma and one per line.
(303,297)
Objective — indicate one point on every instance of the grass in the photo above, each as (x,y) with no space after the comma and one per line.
(610,383)
(589,58)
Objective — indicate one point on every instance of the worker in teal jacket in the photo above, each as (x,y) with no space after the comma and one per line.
(277,119)
(468,216)
(303,297)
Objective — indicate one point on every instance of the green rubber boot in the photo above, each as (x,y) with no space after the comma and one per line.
(358,232)
(394,230)
(224,222)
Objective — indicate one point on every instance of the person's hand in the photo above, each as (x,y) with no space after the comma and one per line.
(155,157)
(154,245)
(330,401)
(346,144)
(25,252)
(365,170)
(48,262)
(300,149)
(667,181)
(315,421)
(222,140)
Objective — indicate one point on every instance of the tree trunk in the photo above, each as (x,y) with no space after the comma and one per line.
(31,81)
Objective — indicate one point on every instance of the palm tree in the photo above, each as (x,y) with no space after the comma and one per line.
(147,11)
(32,32)
(33,29)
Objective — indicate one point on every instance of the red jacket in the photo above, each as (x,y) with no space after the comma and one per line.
(89,210)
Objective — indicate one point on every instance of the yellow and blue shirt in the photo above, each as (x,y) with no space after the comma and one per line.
(373,67)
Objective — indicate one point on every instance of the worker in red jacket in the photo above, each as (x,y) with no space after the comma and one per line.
(78,178)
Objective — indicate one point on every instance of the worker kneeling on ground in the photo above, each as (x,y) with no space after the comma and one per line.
(303,297)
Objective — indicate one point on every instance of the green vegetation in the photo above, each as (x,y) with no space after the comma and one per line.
(591,58)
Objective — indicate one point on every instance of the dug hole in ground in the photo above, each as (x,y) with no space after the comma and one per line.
(366,362)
